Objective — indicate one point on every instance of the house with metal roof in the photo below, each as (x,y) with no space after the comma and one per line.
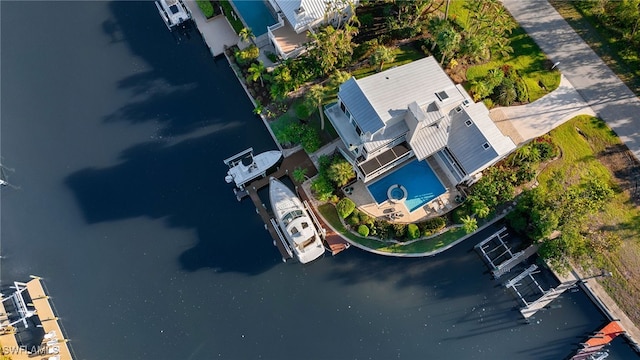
(415,112)
(297,17)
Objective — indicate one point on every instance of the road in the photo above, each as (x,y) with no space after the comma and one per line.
(609,97)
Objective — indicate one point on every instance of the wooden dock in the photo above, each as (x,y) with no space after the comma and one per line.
(299,159)
(54,345)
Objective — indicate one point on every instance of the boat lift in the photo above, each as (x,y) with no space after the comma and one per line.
(500,267)
(18,303)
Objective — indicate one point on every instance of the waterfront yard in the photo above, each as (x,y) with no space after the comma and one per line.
(421,246)
(590,149)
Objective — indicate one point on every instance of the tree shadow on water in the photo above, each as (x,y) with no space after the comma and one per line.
(177,177)
(170,184)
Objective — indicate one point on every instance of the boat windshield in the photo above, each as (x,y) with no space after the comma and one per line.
(291,216)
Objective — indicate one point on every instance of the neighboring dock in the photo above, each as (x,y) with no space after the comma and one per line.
(29,328)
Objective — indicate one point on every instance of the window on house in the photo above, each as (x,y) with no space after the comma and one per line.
(486,146)
(458,109)
(358,130)
(442,95)
(342,107)
(468,122)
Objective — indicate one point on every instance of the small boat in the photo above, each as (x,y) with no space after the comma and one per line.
(297,226)
(244,166)
(173,12)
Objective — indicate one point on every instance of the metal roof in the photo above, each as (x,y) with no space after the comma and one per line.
(360,107)
(474,139)
(301,13)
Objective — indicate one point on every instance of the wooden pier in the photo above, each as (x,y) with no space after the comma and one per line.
(296,160)
(53,346)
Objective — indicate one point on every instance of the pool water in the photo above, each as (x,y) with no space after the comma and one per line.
(418,179)
(255,14)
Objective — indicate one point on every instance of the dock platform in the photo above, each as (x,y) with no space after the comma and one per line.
(299,159)
(53,345)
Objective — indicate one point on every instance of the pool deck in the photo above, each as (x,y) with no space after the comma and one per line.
(398,212)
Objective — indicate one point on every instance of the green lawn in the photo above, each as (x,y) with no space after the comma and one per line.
(620,216)
(236,23)
(330,214)
(527,58)
(404,55)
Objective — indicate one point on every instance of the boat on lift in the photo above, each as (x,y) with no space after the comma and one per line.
(173,12)
(245,167)
(295,224)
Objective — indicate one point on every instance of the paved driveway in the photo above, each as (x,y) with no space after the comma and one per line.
(525,122)
(602,90)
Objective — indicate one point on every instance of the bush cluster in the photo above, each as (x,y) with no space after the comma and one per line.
(333,172)
(246,56)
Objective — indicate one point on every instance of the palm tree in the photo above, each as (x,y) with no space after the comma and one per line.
(246,34)
(256,70)
(381,55)
(314,98)
(469,224)
(299,174)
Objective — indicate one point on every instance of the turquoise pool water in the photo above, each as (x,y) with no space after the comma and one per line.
(421,183)
(255,14)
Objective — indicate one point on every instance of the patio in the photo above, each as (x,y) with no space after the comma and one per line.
(398,212)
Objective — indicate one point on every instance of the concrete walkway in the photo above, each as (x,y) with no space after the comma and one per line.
(611,100)
(526,122)
(217,33)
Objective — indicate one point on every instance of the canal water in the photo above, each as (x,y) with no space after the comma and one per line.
(114,131)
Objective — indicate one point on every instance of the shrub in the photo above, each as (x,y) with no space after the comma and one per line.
(505,92)
(432,225)
(244,57)
(310,139)
(383,228)
(363,230)
(399,230)
(206,7)
(341,172)
(366,219)
(522,93)
(302,111)
(322,188)
(366,19)
(413,232)
(488,103)
(354,220)
(546,149)
(345,207)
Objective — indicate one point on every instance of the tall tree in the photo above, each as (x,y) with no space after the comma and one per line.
(314,98)
(256,70)
(332,47)
(246,34)
(381,55)
(448,41)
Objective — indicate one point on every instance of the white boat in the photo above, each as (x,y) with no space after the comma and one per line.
(297,227)
(244,166)
(173,12)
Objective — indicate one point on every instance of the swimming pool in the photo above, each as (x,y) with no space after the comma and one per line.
(255,14)
(417,178)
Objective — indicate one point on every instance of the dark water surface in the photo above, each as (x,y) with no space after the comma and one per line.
(117,130)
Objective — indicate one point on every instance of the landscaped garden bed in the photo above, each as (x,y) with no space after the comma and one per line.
(209,8)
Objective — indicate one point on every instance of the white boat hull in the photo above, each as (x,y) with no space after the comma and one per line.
(293,219)
(173,12)
(240,174)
